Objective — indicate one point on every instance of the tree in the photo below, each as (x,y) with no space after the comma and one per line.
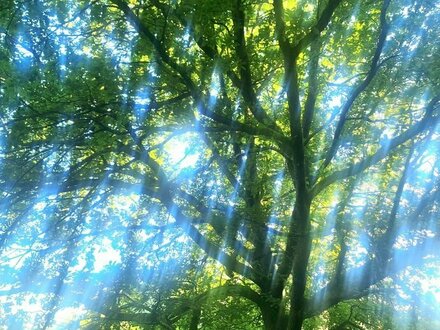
(285,153)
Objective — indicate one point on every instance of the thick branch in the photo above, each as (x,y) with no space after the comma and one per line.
(247,86)
(355,282)
(143,30)
(312,91)
(361,87)
(425,124)
(363,277)
(320,25)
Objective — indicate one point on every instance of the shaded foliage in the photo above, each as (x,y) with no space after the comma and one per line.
(235,164)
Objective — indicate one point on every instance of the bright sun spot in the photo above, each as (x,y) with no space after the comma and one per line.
(66,315)
(105,254)
(181,153)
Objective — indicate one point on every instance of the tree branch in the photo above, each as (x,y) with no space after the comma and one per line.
(424,124)
(365,276)
(374,67)
(247,86)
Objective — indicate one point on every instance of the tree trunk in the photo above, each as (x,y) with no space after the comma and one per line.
(273,318)
(195,318)
(300,263)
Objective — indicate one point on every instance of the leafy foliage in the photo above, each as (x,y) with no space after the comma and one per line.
(204,164)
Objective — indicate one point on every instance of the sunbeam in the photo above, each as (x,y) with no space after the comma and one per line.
(219,164)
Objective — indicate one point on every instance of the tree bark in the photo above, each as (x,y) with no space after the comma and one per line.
(299,273)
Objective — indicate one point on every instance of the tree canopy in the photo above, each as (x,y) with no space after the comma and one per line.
(235,164)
